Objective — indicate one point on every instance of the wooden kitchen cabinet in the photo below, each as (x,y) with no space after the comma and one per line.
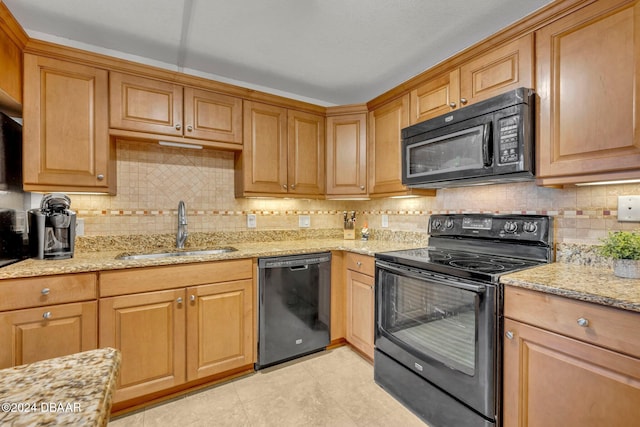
(12,41)
(66,144)
(559,373)
(347,153)
(158,107)
(589,93)
(176,324)
(503,68)
(360,302)
(283,152)
(47,316)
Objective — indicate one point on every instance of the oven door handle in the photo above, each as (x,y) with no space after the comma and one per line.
(479,289)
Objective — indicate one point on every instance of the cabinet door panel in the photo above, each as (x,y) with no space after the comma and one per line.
(219,328)
(347,155)
(149,330)
(551,380)
(435,97)
(145,105)
(66,139)
(306,153)
(27,336)
(360,311)
(212,116)
(589,91)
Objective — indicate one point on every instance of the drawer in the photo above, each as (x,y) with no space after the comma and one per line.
(46,290)
(131,281)
(607,327)
(362,263)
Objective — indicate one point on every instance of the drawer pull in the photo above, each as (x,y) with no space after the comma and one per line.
(47,315)
(192,298)
(179,300)
(509,335)
(45,291)
(583,322)
(359,263)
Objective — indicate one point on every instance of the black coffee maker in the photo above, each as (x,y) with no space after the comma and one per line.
(52,228)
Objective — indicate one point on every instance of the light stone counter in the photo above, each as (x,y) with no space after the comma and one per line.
(69,390)
(592,284)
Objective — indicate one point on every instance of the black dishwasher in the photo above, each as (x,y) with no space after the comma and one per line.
(294,306)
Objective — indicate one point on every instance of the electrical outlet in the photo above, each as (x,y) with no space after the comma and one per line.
(304,221)
(251,221)
(385,221)
(79,226)
(629,208)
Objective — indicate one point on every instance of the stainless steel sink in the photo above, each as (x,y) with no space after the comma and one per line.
(150,255)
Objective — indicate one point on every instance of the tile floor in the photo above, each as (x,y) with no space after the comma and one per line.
(333,388)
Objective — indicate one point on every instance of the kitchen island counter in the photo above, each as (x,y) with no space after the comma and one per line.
(69,390)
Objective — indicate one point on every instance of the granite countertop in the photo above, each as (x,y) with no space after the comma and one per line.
(69,390)
(592,284)
(88,261)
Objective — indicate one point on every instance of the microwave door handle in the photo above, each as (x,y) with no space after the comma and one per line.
(478,289)
(487,145)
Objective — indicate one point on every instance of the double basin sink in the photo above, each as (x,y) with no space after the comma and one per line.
(175,253)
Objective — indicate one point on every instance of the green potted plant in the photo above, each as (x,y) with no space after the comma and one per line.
(624,248)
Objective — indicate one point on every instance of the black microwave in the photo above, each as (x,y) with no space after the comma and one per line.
(489,142)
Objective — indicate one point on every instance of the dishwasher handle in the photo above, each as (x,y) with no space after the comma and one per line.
(294,261)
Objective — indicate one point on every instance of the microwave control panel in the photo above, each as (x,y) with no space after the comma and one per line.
(509,151)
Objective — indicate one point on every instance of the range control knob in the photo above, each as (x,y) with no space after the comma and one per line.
(530,227)
(448,223)
(436,223)
(510,227)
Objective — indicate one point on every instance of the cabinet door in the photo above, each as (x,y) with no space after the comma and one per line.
(347,155)
(386,122)
(305,153)
(149,330)
(212,116)
(66,136)
(264,154)
(220,323)
(507,67)
(360,312)
(145,105)
(435,97)
(551,380)
(11,63)
(589,91)
(27,336)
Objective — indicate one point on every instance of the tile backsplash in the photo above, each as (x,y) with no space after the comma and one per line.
(152,179)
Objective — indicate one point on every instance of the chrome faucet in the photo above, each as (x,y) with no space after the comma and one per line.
(181,237)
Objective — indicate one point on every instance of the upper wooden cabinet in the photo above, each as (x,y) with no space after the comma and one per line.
(12,41)
(589,90)
(66,144)
(384,153)
(158,107)
(283,152)
(347,154)
(508,66)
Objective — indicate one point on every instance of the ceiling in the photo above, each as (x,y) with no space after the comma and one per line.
(328,52)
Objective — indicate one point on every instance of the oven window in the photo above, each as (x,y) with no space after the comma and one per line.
(454,152)
(431,318)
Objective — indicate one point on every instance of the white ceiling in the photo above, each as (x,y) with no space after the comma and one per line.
(330,52)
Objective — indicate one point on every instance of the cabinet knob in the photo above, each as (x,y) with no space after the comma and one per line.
(359,263)
(192,298)
(189,128)
(179,300)
(47,315)
(463,101)
(362,187)
(45,291)
(452,104)
(100,177)
(284,186)
(583,322)
(509,335)
(178,126)
(293,186)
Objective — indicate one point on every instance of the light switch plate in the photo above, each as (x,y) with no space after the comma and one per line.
(304,221)
(385,221)
(251,221)
(629,208)
(79,226)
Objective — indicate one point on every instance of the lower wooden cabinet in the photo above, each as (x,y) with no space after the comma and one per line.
(34,334)
(568,378)
(360,303)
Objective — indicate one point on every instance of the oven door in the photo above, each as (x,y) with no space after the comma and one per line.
(442,329)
